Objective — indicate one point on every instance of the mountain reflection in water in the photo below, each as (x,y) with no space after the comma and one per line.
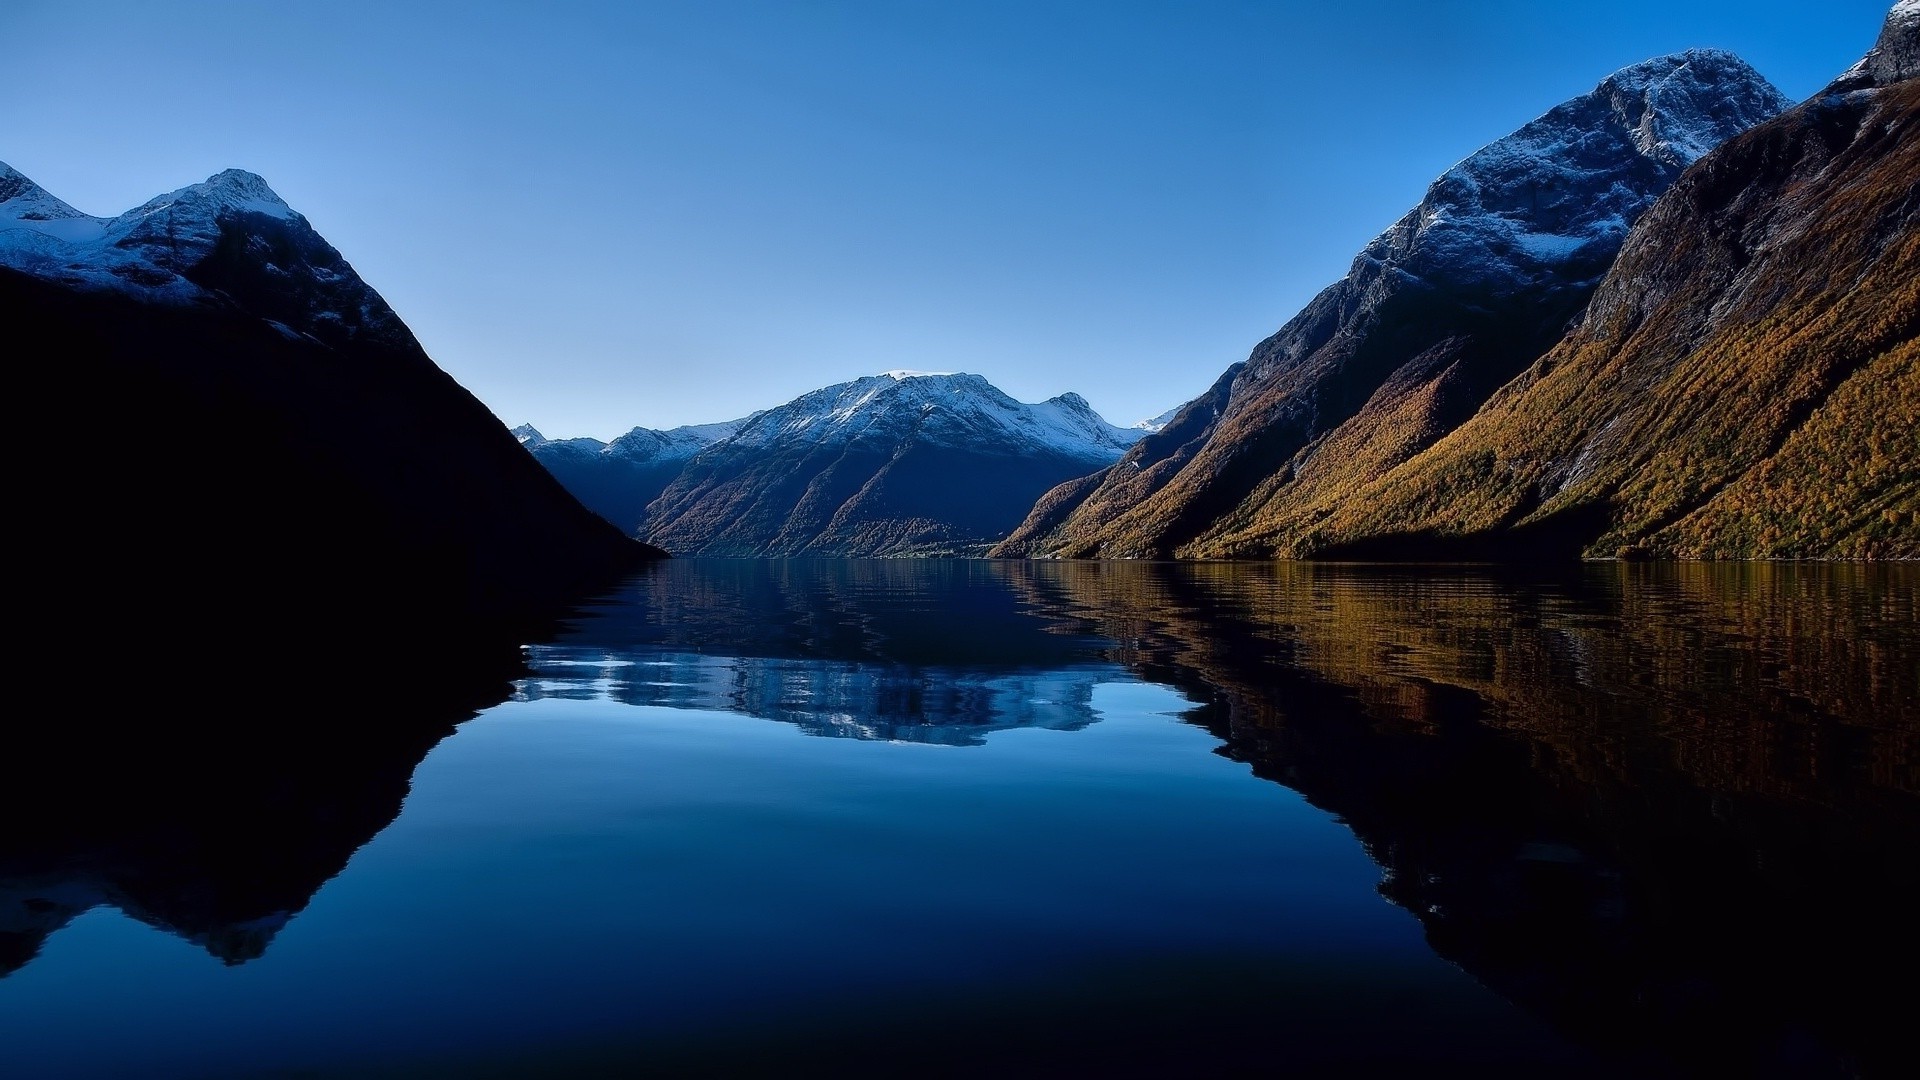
(1672,810)
(1675,809)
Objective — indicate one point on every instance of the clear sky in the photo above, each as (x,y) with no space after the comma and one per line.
(597,216)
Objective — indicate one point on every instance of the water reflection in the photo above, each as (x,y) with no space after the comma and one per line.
(837,699)
(1673,810)
(208,777)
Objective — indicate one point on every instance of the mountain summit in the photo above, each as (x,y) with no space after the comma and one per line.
(1439,310)
(893,464)
(1895,57)
(229,235)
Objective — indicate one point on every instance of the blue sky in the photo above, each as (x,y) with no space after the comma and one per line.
(597,216)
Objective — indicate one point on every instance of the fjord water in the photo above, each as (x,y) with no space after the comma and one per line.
(914,817)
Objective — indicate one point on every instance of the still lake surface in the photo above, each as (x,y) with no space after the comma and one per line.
(912,818)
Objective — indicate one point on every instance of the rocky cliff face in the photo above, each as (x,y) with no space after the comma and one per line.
(1746,383)
(243,425)
(897,464)
(1435,314)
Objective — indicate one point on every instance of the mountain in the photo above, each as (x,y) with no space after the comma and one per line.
(903,463)
(1433,316)
(1746,383)
(1154,423)
(618,479)
(247,432)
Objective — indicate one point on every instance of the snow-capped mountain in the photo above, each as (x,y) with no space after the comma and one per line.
(230,234)
(1154,423)
(618,479)
(1449,302)
(898,463)
(1895,56)
(257,405)
(937,408)
(1745,382)
(1552,201)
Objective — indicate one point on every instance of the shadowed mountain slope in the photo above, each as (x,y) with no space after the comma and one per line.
(236,409)
(618,479)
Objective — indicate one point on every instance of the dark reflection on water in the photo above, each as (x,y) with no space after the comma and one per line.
(208,788)
(1672,810)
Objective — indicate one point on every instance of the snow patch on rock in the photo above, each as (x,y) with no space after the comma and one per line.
(1563,189)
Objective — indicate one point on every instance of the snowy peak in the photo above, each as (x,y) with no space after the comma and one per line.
(639,446)
(1895,56)
(1555,198)
(1673,105)
(223,195)
(946,409)
(228,240)
(1154,423)
(22,200)
(648,444)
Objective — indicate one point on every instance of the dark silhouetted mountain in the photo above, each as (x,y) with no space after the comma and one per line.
(1437,313)
(242,421)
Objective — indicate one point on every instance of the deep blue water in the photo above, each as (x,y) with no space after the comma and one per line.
(779,818)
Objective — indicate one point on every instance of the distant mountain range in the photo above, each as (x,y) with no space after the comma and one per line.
(265,438)
(618,479)
(902,463)
(1674,317)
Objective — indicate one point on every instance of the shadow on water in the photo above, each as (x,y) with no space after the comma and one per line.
(1674,810)
(204,760)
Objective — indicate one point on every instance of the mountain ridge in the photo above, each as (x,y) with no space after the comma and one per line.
(1435,314)
(1746,383)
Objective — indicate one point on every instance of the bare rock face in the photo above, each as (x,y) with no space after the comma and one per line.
(1895,56)
(1435,314)
(1746,383)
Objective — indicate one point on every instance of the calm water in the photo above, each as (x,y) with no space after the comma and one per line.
(921,817)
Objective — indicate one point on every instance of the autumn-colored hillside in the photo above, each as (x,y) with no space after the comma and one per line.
(1746,383)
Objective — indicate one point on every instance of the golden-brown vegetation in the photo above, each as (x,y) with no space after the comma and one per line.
(1744,387)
